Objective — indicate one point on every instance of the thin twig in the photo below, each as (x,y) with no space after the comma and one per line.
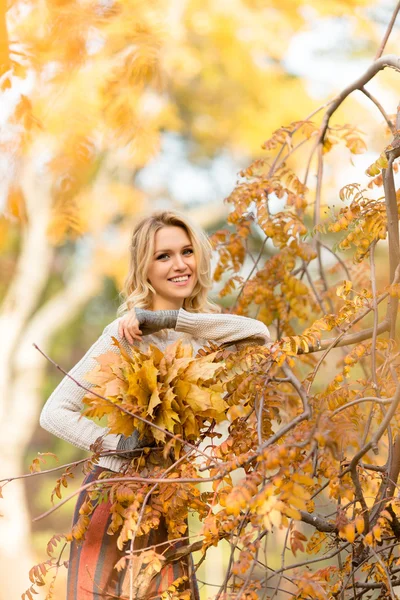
(309,561)
(327,345)
(359,401)
(128,479)
(387,32)
(379,433)
(380,108)
(376,316)
(282,558)
(340,260)
(249,275)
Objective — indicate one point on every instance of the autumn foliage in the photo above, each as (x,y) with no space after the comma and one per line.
(309,460)
(312,461)
(173,390)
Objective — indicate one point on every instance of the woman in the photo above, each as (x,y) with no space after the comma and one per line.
(168,282)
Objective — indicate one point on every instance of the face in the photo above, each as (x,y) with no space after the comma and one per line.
(173,257)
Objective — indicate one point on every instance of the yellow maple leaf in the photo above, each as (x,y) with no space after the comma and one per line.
(174,390)
(155,400)
(202,368)
(175,369)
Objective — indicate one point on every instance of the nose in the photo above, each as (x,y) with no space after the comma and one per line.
(179,263)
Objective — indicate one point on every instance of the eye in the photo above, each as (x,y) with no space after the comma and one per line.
(165,254)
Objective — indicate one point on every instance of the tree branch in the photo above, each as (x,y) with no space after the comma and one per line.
(380,431)
(390,60)
(380,108)
(387,32)
(350,339)
(318,522)
(394,468)
(392,222)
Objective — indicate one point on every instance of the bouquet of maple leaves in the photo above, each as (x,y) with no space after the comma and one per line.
(175,390)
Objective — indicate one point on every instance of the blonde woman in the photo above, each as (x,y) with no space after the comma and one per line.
(166,298)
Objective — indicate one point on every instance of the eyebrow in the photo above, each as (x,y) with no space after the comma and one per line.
(169,250)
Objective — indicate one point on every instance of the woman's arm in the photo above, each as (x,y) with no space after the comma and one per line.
(222,328)
(61,415)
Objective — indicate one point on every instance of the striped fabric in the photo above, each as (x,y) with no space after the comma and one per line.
(91,573)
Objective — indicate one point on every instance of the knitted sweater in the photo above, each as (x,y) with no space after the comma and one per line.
(61,414)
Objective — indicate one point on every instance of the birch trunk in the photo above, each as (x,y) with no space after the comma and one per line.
(29,370)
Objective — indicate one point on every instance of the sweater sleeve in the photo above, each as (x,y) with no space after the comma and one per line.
(61,415)
(222,328)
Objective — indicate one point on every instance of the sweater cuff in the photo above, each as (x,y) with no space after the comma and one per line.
(110,441)
(184,322)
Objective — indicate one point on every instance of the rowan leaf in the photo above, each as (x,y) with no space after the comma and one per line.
(348,532)
(359,523)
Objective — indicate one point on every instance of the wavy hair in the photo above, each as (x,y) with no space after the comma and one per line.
(138,291)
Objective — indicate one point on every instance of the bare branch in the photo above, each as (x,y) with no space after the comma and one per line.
(392,224)
(318,522)
(387,32)
(394,468)
(380,431)
(127,479)
(380,108)
(390,60)
(376,316)
(340,261)
(299,389)
(360,400)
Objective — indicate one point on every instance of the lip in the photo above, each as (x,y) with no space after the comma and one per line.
(181,283)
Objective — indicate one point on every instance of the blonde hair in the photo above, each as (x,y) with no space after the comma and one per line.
(138,291)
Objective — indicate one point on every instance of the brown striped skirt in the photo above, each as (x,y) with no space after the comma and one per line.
(91,573)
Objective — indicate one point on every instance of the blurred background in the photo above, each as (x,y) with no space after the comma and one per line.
(109,110)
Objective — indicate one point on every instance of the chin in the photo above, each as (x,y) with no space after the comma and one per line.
(183,295)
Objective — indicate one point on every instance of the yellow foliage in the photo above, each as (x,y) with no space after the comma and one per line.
(378,165)
(369,539)
(348,532)
(174,390)
(359,523)
(120,75)
(377,533)
(315,543)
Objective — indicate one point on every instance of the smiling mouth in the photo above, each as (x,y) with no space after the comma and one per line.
(181,281)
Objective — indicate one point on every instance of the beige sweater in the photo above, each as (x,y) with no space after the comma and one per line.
(61,414)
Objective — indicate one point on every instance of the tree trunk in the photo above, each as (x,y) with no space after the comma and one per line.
(29,369)
(15,556)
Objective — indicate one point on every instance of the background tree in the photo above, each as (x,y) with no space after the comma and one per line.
(59,176)
(299,452)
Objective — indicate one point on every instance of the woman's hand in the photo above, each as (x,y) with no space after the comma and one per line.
(129,327)
(128,445)
(141,322)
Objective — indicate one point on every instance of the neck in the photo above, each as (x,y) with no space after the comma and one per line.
(165,304)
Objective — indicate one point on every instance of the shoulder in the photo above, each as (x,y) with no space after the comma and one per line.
(112,328)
